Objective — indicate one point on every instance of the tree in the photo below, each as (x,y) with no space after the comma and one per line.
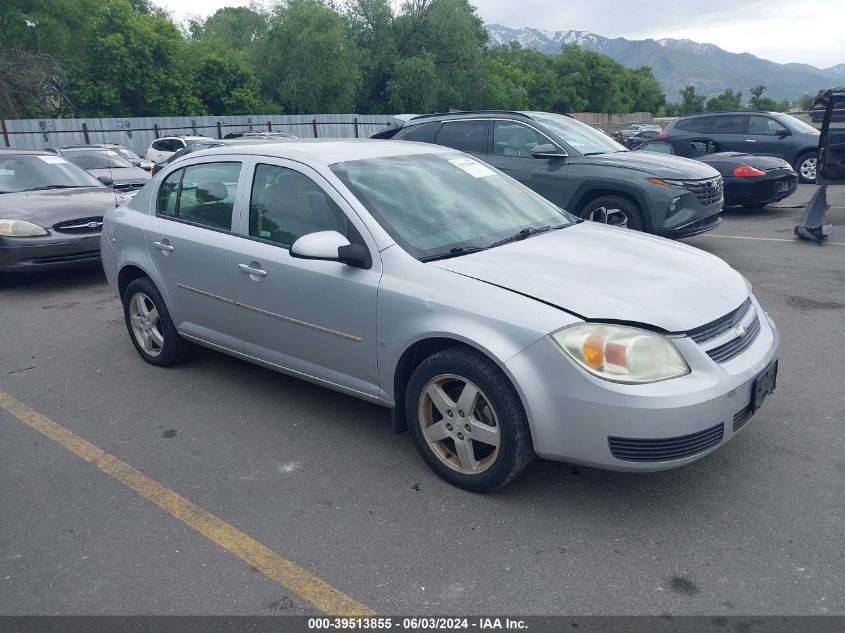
(692,102)
(760,103)
(229,32)
(309,63)
(226,86)
(31,85)
(804,103)
(725,102)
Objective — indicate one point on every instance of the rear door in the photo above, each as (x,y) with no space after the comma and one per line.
(190,240)
(316,318)
(730,130)
(466,135)
(511,153)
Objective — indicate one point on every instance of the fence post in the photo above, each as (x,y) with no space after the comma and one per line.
(355,121)
(269,126)
(219,129)
(155,130)
(5,132)
(85,133)
(314,125)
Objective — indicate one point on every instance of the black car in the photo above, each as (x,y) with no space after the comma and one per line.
(51,212)
(581,169)
(750,181)
(762,133)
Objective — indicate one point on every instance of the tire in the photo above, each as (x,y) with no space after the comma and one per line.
(497,415)
(614,211)
(806,167)
(153,334)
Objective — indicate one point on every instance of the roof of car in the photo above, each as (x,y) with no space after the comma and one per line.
(331,151)
(690,116)
(19,152)
(90,146)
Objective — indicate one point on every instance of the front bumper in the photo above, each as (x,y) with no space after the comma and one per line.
(48,253)
(690,217)
(576,417)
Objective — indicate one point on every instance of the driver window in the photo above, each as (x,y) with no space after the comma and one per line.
(515,139)
(286,204)
(765,126)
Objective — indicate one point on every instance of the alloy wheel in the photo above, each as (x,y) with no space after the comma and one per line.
(146,324)
(459,424)
(610,216)
(808,168)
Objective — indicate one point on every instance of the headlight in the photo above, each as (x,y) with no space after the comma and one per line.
(620,353)
(20,228)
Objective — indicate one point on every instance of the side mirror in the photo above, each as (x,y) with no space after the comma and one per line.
(108,182)
(547,150)
(136,162)
(784,133)
(330,246)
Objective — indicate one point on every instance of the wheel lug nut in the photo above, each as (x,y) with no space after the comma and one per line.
(449,414)
(449,427)
(461,413)
(460,436)
(468,428)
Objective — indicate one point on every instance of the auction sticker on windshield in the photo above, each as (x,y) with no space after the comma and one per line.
(52,159)
(472,167)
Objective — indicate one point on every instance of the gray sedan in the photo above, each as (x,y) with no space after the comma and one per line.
(495,326)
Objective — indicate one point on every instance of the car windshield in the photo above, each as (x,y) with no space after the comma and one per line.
(97,159)
(33,172)
(437,205)
(128,154)
(795,124)
(579,136)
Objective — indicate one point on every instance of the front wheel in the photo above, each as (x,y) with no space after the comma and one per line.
(150,327)
(806,168)
(467,421)
(613,211)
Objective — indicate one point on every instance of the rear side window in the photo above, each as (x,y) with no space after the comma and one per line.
(465,136)
(286,204)
(424,132)
(168,145)
(660,148)
(694,125)
(201,194)
(734,124)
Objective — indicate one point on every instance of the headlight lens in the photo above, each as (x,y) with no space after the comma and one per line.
(620,353)
(20,228)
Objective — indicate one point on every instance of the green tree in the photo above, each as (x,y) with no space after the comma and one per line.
(725,102)
(308,61)
(229,32)
(226,86)
(760,103)
(692,102)
(414,85)
(804,103)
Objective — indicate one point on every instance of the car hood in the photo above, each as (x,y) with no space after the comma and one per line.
(659,165)
(609,274)
(734,159)
(122,175)
(46,208)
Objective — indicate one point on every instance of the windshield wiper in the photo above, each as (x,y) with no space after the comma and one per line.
(454,252)
(525,233)
(43,187)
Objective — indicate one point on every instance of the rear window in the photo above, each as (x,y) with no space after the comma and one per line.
(465,136)
(424,133)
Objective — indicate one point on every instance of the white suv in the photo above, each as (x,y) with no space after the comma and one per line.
(163,148)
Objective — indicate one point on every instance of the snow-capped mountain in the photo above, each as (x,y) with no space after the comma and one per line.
(677,63)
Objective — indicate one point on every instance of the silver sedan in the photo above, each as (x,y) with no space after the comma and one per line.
(494,325)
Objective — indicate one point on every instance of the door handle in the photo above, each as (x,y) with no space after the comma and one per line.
(750,140)
(163,246)
(249,270)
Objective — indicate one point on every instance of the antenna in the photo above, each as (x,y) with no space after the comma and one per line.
(105,149)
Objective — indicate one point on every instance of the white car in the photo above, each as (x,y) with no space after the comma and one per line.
(163,148)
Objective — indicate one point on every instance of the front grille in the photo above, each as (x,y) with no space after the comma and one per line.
(667,448)
(709,192)
(742,417)
(716,328)
(736,346)
(82,225)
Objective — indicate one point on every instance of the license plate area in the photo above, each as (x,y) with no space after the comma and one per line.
(781,186)
(764,385)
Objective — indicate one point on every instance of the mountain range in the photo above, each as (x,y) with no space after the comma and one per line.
(679,63)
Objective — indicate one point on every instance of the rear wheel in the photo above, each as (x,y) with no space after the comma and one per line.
(614,211)
(467,420)
(806,167)
(149,324)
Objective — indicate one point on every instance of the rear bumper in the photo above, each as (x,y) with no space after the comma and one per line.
(48,253)
(760,191)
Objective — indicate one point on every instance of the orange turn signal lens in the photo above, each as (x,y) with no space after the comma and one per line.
(593,351)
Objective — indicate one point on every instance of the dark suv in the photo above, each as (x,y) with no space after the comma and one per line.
(762,133)
(581,169)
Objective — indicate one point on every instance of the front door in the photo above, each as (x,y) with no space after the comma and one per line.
(190,240)
(315,318)
(767,137)
(511,153)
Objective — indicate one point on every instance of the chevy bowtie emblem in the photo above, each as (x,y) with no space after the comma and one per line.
(740,330)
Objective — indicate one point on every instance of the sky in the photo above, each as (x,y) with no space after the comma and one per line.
(807,31)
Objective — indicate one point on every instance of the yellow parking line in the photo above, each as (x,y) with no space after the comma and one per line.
(289,575)
(763,239)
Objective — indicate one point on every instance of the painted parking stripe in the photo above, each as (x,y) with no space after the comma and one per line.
(289,575)
(764,239)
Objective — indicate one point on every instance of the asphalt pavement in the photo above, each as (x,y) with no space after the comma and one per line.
(320,480)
